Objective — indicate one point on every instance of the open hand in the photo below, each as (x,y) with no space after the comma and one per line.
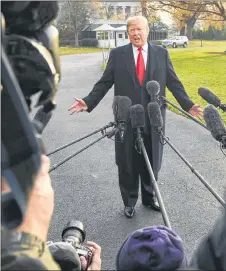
(79,106)
(196,111)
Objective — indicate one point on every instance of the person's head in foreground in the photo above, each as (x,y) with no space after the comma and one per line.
(152,248)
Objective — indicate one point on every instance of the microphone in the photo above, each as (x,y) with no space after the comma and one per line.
(121,110)
(153,89)
(156,121)
(137,116)
(215,124)
(155,116)
(41,119)
(211,98)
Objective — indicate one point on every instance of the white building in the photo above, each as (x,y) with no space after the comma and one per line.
(125,9)
(118,12)
(108,32)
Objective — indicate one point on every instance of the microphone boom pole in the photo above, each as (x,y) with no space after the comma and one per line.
(111,124)
(193,169)
(184,112)
(137,116)
(107,134)
(159,197)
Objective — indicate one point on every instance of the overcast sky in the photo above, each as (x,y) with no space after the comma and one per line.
(165,17)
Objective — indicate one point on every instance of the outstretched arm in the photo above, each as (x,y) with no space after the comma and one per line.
(101,88)
(98,92)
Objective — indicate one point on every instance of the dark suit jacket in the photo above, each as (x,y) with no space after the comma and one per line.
(121,72)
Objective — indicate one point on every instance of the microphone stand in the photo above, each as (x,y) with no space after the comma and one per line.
(121,130)
(141,147)
(184,112)
(107,134)
(159,131)
(111,124)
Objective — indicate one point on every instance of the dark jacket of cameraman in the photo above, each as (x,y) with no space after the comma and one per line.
(211,254)
(22,251)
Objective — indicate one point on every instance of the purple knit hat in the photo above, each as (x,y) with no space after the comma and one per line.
(152,248)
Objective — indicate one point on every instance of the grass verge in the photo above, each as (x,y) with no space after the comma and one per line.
(78,50)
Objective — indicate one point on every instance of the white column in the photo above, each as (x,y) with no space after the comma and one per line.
(115,10)
(132,12)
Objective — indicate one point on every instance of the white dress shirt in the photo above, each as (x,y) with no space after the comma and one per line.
(144,53)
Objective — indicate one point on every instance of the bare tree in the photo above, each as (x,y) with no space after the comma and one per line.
(144,6)
(184,13)
(106,10)
(217,8)
(73,16)
(149,11)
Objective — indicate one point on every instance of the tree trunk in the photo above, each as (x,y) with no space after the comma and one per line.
(189,31)
(190,24)
(144,7)
(76,39)
(182,31)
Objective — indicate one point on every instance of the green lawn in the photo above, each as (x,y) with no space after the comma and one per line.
(201,66)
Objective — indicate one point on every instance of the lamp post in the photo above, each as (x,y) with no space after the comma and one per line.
(201,29)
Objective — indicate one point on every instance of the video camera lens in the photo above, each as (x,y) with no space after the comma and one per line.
(74,233)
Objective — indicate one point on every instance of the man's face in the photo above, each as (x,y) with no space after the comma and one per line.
(138,33)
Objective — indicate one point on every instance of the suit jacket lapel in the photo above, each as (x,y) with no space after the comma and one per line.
(148,68)
(151,63)
(130,63)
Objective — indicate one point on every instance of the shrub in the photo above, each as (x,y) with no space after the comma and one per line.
(88,42)
(156,42)
(64,42)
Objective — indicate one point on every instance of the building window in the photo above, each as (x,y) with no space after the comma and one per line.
(119,10)
(128,11)
(120,36)
(126,35)
(102,35)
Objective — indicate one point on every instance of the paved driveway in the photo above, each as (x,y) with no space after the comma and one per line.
(86,187)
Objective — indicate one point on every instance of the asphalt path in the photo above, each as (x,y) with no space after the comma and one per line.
(86,187)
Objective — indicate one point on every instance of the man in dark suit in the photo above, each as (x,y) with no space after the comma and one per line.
(129,68)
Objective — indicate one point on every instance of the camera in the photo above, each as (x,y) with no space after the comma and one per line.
(30,66)
(74,234)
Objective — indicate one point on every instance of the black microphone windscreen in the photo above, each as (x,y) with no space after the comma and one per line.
(214,122)
(121,108)
(42,118)
(153,88)
(208,96)
(137,116)
(154,114)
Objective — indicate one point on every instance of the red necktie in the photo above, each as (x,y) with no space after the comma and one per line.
(140,66)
